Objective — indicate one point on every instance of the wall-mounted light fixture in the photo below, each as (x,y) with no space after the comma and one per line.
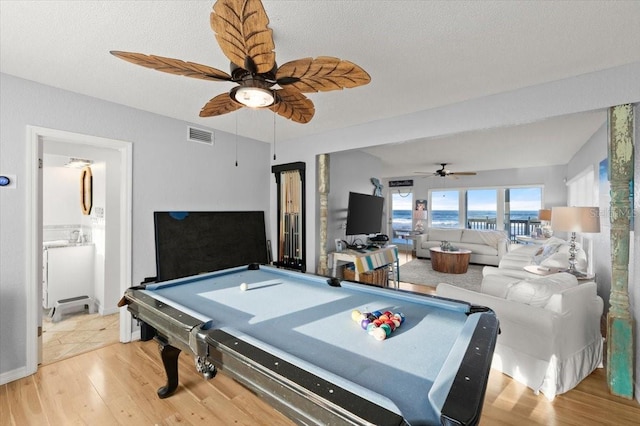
(78,163)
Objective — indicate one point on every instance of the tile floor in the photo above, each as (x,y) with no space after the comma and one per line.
(76,333)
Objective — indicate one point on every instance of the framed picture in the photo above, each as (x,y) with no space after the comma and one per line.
(339,245)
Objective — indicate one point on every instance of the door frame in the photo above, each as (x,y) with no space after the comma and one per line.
(35,136)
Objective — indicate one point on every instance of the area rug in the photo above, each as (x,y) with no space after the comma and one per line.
(418,271)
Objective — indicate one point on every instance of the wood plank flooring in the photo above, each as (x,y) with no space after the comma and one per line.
(116,385)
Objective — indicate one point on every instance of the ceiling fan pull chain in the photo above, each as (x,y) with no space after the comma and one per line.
(274,136)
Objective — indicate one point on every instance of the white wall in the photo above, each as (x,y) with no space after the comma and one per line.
(168,173)
(61,196)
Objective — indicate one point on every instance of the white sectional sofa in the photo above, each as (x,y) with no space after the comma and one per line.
(487,246)
(550,336)
(552,255)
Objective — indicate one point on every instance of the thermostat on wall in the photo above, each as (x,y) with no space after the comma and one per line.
(7,181)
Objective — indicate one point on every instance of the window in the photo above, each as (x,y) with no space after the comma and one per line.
(514,210)
(482,208)
(521,210)
(401,209)
(445,209)
(580,190)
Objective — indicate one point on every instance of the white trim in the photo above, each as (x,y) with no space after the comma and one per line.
(32,251)
(126,215)
(33,244)
(12,375)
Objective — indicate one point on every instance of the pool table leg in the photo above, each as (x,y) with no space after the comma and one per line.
(169,356)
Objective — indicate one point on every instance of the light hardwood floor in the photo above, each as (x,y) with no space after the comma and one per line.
(116,385)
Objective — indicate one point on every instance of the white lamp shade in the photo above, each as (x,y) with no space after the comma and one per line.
(576,219)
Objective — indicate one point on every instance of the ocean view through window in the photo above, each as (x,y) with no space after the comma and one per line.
(512,209)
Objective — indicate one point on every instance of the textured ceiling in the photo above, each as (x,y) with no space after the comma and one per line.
(420,54)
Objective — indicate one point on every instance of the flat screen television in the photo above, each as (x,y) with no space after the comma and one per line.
(364,214)
(190,243)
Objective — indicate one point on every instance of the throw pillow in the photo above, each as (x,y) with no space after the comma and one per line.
(537,291)
(544,252)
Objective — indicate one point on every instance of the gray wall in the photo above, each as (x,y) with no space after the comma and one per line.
(168,173)
(349,172)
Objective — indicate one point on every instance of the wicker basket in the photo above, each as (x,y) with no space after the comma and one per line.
(378,277)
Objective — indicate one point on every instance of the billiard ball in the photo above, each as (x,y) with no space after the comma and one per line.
(364,323)
(355,315)
(244,286)
(378,333)
(386,329)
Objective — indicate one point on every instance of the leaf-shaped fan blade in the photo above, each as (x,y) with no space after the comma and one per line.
(463,173)
(173,66)
(242,32)
(219,105)
(321,74)
(293,105)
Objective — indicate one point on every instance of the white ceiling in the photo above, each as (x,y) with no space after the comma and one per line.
(420,55)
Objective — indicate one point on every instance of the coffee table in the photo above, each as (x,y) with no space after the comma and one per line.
(450,262)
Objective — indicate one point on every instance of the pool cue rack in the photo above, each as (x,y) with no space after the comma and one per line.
(290,179)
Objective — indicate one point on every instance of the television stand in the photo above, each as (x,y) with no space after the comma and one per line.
(366,260)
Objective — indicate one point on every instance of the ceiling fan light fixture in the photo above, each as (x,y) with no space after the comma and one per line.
(254,97)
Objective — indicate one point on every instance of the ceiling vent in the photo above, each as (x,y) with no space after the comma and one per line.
(200,135)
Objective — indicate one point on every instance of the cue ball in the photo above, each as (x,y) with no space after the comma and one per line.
(244,286)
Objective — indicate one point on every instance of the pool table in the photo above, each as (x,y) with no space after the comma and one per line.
(290,337)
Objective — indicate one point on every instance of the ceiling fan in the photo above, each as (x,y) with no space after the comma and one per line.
(444,172)
(241,29)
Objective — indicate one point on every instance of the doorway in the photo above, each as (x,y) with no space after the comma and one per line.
(400,219)
(117,237)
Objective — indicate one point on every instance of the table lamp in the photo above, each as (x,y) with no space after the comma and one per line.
(575,219)
(545,219)
(419,216)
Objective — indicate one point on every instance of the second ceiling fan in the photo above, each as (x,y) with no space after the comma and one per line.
(444,172)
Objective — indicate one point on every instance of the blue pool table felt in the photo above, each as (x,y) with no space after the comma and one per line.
(308,323)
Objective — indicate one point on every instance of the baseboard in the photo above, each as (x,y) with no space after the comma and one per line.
(12,375)
(109,311)
(135,335)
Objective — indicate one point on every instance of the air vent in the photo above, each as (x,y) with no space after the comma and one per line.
(200,135)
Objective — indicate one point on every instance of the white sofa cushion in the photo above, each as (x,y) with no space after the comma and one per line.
(478,249)
(497,285)
(472,236)
(538,291)
(448,234)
